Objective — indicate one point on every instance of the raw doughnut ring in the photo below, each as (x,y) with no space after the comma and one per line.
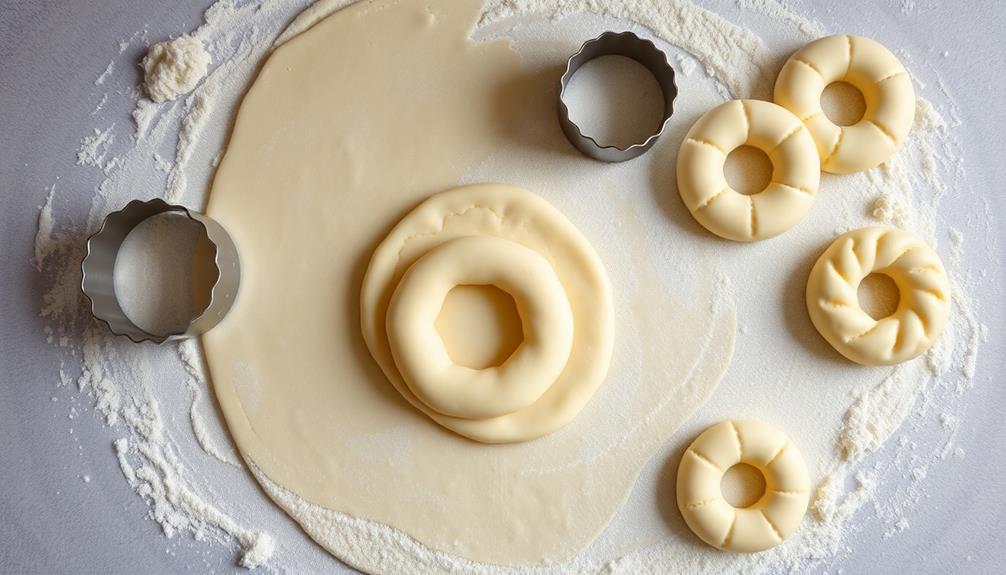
(519,216)
(874,71)
(795,170)
(768,521)
(833,301)
(419,351)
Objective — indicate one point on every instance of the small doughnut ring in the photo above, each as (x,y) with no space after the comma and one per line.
(768,521)
(833,301)
(874,71)
(795,170)
(419,351)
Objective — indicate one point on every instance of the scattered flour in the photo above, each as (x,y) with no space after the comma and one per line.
(105,75)
(93,149)
(887,210)
(45,239)
(160,457)
(152,450)
(949,420)
(148,456)
(685,64)
(196,382)
(735,55)
(782,12)
(143,115)
(899,526)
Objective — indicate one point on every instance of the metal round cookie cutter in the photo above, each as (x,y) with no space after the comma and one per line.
(98,269)
(631,46)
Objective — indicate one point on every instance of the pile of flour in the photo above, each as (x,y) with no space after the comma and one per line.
(169,441)
(174,68)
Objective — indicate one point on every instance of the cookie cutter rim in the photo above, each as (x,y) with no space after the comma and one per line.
(643,51)
(98,266)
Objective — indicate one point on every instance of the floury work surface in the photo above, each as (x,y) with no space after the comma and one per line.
(69,487)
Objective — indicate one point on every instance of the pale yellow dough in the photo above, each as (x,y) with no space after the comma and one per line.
(517,215)
(795,170)
(768,521)
(872,69)
(327,154)
(419,351)
(833,301)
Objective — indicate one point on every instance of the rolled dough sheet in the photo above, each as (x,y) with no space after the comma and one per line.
(500,211)
(350,125)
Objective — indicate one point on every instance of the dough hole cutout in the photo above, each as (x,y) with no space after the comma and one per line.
(843,104)
(748,170)
(878,295)
(923,296)
(742,485)
(615,100)
(480,326)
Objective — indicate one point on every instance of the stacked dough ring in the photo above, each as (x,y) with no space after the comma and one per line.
(768,521)
(491,234)
(924,303)
(874,71)
(795,170)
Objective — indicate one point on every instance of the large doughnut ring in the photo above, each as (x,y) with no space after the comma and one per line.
(833,302)
(874,71)
(768,521)
(795,170)
(509,237)
(419,351)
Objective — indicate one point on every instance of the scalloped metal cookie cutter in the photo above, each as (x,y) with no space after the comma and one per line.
(631,46)
(98,269)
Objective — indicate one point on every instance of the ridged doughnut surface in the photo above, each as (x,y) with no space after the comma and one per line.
(768,521)
(873,70)
(795,170)
(924,290)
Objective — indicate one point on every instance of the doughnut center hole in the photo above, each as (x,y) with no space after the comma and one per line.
(480,326)
(843,103)
(748,170)
(615,100)
(742,485)
(164,272)
(878,295)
